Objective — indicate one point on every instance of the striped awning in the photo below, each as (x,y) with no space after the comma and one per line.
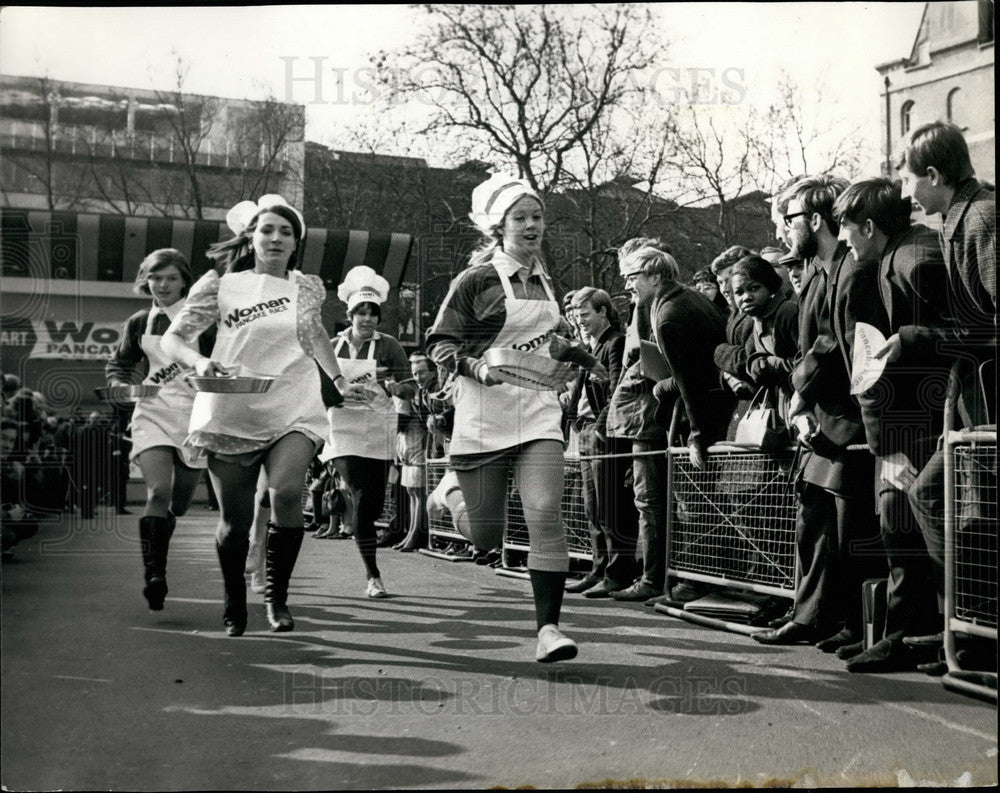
(91,247)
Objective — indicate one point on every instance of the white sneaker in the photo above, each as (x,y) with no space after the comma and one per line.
(375,588)
(554,645)
(257,583)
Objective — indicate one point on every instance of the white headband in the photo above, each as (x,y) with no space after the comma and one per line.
(363,285)
(239,217)
(492,199)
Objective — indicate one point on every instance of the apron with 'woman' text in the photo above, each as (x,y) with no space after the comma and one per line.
(258,318)
(491,418)
(363,429)
(162,420)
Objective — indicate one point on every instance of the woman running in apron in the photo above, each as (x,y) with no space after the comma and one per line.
(363,434)
(159,423)
(269,324)
(504,299)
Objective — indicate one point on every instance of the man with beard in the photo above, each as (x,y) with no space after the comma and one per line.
(837,545)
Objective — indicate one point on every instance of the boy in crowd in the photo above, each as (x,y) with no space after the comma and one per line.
(937,173)
(903,412)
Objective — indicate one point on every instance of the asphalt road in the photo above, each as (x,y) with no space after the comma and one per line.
(435,687)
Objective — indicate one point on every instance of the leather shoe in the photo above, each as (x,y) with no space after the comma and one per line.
(933,668)
(784,619)
(583,584)
(638,591)
(933,640)
(844,637)
(667,599)
(850,650)
(792,633)
(883,656)
(389,539)
(602,590)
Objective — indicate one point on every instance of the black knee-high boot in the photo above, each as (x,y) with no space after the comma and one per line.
(283,544)
(233,560)
(154,534)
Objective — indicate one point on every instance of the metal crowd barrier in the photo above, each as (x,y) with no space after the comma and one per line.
(970,546)
(732,524)
(441,531)
(515,541)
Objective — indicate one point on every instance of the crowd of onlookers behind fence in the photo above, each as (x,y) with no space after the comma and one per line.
(773,329)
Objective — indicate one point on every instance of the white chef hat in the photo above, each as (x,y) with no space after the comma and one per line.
(363,285)
(492,199)
(239,217)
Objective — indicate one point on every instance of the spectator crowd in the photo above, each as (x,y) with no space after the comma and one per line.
(774,330)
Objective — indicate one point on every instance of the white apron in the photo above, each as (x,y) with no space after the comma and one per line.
(490,418)
(162,420)
(257,336)
(363,429)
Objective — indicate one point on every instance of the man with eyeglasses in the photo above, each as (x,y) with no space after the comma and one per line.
(837,544)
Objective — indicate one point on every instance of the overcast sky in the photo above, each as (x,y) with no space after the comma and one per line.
(245,52)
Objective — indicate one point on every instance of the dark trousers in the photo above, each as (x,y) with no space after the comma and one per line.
(926,497)
(912,602)
(364,479)
(619,517)
(590,475)
(837,547)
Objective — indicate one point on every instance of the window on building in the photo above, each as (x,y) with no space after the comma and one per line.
(906,118)
(985,21)
(954,106)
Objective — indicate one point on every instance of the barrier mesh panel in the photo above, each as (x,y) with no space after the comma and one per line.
(440,528)
(388,507)
(736,518)
(573,516)
(975,534)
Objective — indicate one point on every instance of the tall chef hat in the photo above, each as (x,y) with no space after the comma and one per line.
(239,217)
(492,199)
(363,285)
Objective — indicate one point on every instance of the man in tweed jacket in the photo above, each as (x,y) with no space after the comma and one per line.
(937,173)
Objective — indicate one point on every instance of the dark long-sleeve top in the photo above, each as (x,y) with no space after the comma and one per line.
(822,373)
(688,328)
(830,302)
(904,410)
(389,356)
(127,364)
(609,350)
(731,355)
(775,345)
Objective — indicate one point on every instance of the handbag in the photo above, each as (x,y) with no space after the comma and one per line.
(760,429)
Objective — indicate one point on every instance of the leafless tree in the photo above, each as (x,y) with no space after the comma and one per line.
(801,133)
(521,84)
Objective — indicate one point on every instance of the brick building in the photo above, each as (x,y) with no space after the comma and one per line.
(947,76)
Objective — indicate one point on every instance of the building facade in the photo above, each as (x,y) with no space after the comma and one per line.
(107,149)
(948,76)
